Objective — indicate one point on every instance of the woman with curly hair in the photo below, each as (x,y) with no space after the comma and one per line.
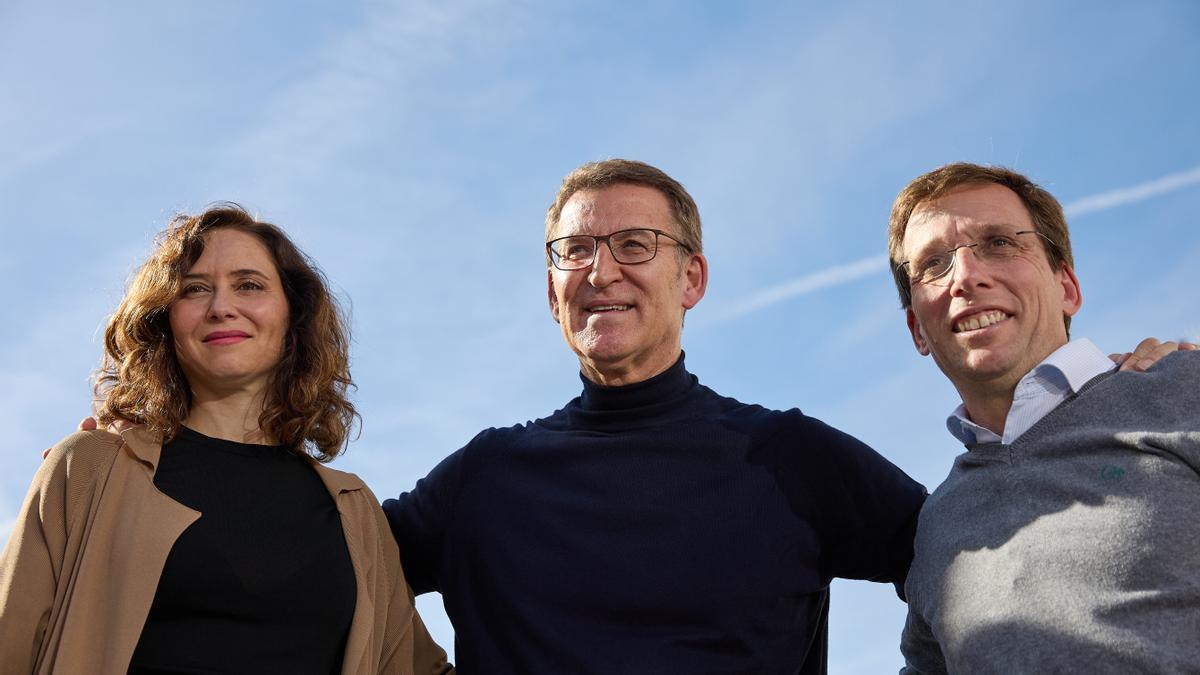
(208,536)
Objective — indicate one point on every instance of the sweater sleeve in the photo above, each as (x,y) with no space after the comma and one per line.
(922,655)
(1171,392)
(419,519)
(866,508)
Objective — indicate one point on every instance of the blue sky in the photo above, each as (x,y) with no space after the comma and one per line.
(412,149)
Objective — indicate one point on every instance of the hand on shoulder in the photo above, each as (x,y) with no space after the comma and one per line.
(1148,352)
(89,424)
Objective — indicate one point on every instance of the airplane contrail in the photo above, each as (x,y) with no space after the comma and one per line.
(853,271)
(1129,195)
(832,276)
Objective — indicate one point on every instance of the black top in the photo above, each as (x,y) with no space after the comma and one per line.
(262,582)
(654,528)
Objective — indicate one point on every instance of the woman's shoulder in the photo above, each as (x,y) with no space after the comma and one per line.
(74,465)
(84,451)
(337,481)
(357,503)
(352,493)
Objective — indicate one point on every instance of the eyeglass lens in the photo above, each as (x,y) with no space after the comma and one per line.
(993,248)
(627,247)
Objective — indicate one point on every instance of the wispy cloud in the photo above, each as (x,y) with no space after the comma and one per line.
(367,82)
(833,276)
(853,271)
(1136,193)
(20,156)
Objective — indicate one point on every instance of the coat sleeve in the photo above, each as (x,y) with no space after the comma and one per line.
(27,575)
(407,644)
(32,562)
(428,656)
(409,648)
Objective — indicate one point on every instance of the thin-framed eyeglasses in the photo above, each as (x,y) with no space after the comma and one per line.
(628,247)
(996,248)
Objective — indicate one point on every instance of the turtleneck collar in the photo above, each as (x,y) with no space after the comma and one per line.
(666,386)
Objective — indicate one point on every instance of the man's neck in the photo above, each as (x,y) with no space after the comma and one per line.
(989,412)
(627,372)
(988,401)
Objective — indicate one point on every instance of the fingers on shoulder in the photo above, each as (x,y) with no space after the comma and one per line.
(84,446)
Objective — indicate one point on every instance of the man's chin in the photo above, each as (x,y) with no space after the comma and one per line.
(599,346)
(603,358)
(981,365)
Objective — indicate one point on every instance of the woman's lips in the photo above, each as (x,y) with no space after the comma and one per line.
(225,337)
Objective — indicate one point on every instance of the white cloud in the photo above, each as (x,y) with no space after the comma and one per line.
(369,80)
(833,276)
(1133,194)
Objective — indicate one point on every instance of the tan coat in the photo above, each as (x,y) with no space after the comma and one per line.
(82,566)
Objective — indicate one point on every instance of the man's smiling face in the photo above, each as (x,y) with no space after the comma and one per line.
(624,321)
(986,324)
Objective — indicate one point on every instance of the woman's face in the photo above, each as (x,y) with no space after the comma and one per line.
(231,316)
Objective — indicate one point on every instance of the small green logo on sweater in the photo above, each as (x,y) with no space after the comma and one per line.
(1110,472)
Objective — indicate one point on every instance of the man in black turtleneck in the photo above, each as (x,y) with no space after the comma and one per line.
(650,525)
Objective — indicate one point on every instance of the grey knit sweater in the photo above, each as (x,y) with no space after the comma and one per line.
(1075,549)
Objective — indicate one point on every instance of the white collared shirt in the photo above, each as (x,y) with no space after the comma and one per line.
(1041,390)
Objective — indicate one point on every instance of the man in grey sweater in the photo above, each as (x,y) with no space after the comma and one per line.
(1067,537)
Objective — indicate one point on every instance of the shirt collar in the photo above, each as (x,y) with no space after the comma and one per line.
(668,385)
(1078,361)
(1066,369)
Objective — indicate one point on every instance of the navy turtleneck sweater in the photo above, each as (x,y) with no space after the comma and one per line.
(653,528)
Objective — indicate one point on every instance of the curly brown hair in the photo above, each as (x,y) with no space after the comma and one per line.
(306,407)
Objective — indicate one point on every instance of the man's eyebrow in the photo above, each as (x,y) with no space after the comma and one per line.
(977,231)
(990,228)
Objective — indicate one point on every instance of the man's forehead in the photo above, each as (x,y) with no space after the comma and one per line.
(978,200)
(971,209)
(615,207)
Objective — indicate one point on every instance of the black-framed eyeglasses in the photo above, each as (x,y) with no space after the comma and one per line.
(628,247)
(996,248)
